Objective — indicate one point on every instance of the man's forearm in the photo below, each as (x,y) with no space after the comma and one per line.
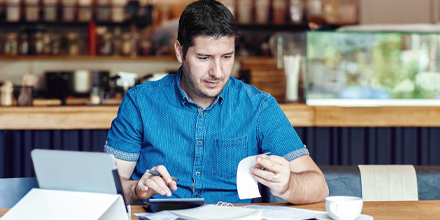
(129,187)
(306,187)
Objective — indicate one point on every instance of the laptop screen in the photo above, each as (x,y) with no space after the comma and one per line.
(77,171)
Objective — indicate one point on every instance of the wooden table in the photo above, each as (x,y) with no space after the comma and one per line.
(411,210)
(299,115)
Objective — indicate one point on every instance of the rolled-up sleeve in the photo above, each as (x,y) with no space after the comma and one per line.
(275,133)
(124,138)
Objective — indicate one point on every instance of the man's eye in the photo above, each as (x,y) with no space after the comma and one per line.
(227,57)
(203,58)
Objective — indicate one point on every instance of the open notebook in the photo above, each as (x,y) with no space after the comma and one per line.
(214,212)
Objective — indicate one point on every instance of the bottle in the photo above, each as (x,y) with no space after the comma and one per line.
(91,39)
(6,91)
(55,44)
(134,40)
(23,47)
(11,44)
(116,41)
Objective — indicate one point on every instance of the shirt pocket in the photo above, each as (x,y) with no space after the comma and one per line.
(227,155)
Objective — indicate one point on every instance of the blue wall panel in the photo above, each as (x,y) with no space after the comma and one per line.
(327,145)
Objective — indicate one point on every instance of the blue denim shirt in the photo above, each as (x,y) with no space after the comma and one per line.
(158,124)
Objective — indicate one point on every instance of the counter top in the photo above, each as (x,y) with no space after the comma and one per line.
(300,115)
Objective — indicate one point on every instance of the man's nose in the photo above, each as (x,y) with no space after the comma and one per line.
(216,68)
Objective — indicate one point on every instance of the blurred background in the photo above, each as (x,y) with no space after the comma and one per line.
(66,65)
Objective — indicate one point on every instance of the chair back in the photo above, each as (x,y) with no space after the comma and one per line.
(13,189)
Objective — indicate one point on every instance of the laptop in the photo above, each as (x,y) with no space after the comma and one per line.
(77,171)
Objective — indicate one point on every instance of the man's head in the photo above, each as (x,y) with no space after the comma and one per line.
(205,46)
(205,17)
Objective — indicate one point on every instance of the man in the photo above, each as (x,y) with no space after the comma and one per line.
(198,124)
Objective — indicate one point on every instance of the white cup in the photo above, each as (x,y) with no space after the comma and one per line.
(343,207)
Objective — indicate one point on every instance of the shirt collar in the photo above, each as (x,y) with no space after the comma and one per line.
(184,98)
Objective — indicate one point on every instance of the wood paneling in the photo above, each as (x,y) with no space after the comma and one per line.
(388,116)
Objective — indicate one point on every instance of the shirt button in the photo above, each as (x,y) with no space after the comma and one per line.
(197,173)
(203,113)
(196,195)
(200,142)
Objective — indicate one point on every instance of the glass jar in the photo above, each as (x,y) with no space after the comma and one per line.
(279,11)
(262,11)
(32,10)
(296,11)
(72,44)
(244,10)
(69,10)
(50,10)
(230,4)
(104,41)
(84,10)
(47,49)
(314,11)
(103,10)
(13,10)
(37,44)
(347,12)
(56,43)
(126,44)
(118,13)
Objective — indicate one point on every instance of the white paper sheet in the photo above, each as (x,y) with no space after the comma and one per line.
(163,215)
(247,186)
(284,213)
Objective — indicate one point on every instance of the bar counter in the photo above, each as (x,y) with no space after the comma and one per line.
(300,115)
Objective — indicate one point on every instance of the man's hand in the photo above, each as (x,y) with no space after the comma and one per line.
(275,175)
(299,181)
(150,185)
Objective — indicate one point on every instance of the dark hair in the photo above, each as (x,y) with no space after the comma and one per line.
(205,17)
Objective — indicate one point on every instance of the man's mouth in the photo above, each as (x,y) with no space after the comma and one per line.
(212,84)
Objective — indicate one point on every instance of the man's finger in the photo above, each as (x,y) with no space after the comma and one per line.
(164,173)
(268,163)
(160,186)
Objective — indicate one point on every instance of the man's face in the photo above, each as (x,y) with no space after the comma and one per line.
(207,67)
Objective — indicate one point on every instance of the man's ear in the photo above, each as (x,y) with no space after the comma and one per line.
(179,51)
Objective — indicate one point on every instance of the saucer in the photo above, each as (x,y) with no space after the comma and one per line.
(325,216)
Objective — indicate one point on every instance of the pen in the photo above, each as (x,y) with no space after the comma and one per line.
(155,173)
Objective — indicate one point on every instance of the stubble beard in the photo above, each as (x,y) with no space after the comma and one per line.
(197,91)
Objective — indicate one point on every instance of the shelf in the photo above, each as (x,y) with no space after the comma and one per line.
(120,58)
(89,58)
